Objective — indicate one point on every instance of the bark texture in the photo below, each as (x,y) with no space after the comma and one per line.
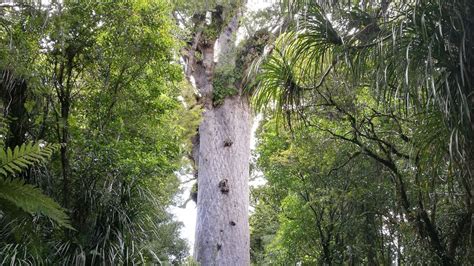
(221,152)
(222,229)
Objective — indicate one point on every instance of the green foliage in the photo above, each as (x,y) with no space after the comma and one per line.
(212,32)
(264,222)
(103,80)
(232,71)
(223,87)
(202,6)
(191,9)
(377,80)
(25,196)
(15,161)
(31,200)
(194,192)
(322,210)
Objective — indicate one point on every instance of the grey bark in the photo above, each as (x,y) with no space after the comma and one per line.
(221,154)
(222,230)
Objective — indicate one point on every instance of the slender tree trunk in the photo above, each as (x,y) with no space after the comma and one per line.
(14,98)
(64,152)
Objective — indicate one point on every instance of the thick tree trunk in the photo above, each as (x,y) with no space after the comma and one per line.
(221,151)
(222,230)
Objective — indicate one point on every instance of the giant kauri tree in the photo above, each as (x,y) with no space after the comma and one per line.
(217,68)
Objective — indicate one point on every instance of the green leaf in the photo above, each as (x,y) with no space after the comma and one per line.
(31,200)
(24,156)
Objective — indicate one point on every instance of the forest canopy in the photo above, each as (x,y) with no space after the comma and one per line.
(364,148)
(368,142)
(94,132)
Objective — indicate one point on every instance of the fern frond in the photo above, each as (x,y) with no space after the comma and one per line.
(25,196)
(31,200)
(16,160)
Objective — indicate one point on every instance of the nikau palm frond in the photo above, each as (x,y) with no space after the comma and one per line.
(301,62)
(277,82)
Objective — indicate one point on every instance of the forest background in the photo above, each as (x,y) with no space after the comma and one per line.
(365,142)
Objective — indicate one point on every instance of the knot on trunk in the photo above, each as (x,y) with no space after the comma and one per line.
(224,186)
(228,143)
